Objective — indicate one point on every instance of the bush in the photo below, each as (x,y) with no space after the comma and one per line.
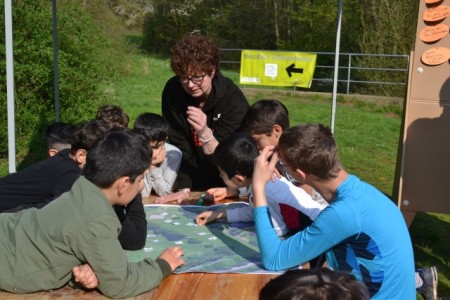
(82,68)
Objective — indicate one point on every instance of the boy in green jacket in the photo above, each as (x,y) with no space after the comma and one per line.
(40,248)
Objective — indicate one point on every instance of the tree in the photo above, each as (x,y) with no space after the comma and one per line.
(81,68)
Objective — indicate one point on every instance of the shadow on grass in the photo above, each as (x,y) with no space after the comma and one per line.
(430,234)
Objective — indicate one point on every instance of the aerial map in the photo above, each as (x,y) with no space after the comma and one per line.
(218,247)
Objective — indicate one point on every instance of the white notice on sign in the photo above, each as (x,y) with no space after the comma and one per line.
(271,70)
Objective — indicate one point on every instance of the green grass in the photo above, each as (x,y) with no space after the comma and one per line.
(367,132)
(139,89)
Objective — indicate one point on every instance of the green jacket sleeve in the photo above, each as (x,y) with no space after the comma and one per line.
(98,245)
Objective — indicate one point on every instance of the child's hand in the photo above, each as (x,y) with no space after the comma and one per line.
(178,196)
(84,275)
(220,193)
(209,216)
(156,162)
(172,256)
(205,217)
(264,167)
(216,194)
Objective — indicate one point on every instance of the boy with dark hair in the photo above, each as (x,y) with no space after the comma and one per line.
(80,228)
(318,284)
(166,158)
(235,158)
(44,181)
(266,117)
(113,115)
(362,232)
(59,136)
(265,121)
(132,216)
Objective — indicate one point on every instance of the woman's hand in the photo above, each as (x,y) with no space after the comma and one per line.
(197,119)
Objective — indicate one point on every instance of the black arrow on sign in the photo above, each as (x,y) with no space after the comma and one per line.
(293,69)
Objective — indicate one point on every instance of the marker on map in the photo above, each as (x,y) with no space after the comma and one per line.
(201,200)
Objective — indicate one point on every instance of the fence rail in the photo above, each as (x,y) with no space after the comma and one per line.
(374,74)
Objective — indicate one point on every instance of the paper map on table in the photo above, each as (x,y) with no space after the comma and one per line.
(218,247)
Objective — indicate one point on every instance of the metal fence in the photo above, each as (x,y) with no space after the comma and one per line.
(368,74)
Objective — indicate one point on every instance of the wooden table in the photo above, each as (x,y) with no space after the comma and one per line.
(184,286)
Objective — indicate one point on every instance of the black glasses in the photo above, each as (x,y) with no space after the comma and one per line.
(195,79)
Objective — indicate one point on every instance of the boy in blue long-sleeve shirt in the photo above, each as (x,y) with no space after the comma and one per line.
(362,232)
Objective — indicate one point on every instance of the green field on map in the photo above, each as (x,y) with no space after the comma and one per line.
(218,247)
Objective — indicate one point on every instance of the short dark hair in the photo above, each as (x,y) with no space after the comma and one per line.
(87,133)
(114,115)
(194,54)
(263,114)
(153,126)
(121,152)
(59,134)
(312,149)
(321,284)
(236,154)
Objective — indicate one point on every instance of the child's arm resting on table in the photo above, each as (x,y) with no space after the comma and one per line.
(209,216)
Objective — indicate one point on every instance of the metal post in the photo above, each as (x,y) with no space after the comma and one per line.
(55,61)
(348,72)
(10,87)
(336,63)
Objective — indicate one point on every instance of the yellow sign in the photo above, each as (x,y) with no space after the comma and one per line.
(277,68)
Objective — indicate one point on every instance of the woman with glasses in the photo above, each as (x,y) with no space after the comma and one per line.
(202,107)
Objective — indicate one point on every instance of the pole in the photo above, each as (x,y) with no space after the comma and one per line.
(55,61)
(336,63)
(10,87)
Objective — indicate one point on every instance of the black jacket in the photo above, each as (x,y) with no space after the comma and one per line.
(225,109)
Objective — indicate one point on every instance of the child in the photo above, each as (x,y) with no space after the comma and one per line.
(44,181)
(361,231)
(235,158)
(132,216)
(41,247)
(166,158)
(59,136)
(318,284)
(265,121)
(113,115)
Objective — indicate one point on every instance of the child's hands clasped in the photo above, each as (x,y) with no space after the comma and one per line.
(85,276)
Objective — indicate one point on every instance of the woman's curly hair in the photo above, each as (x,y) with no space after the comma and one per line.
(194,54)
